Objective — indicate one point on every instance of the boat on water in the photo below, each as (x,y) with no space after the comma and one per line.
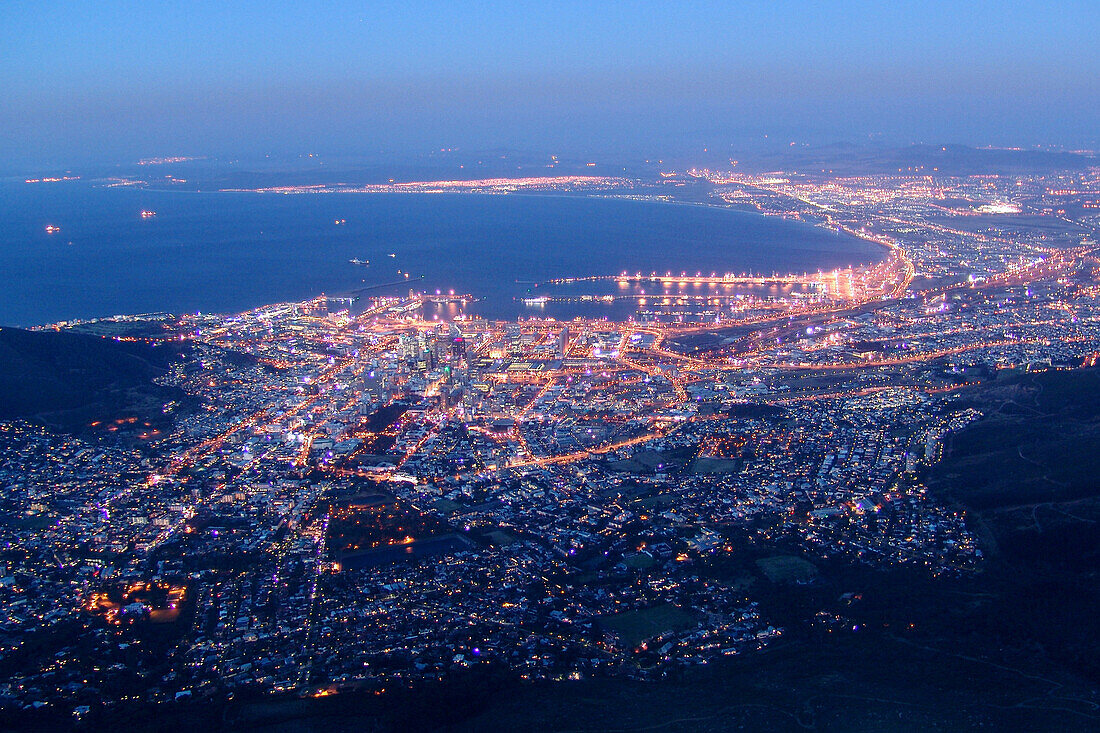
(357,261)
(51,229)
(147,214)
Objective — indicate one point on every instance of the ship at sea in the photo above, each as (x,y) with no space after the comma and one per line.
(147,214)
(357,261)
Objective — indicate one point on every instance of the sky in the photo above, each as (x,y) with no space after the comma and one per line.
(115,81)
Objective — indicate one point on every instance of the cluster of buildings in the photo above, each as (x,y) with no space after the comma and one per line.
(349,500)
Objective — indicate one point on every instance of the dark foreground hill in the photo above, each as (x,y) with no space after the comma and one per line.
(69,380)
(1029,470)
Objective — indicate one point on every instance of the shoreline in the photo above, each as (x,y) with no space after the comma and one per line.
(536,194)
(339,292)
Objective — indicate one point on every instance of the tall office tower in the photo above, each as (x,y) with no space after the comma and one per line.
(458,349)
(563,341)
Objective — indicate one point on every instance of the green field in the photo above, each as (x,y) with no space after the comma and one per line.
(501,538)
(651,461)
(787,569)
(715,465)
(446,506)
(639,561)
(636,626)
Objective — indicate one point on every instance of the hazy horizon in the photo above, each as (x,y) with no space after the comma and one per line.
(120,81)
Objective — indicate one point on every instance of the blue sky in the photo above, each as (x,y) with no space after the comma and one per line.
(87,79)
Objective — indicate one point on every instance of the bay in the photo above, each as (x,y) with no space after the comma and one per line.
(227,252)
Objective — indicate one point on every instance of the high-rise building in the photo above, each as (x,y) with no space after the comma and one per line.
(458,349)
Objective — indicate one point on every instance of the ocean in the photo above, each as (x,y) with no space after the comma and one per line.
(227,252)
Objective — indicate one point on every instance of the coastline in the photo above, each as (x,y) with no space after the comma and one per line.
(338,289)
(539,194)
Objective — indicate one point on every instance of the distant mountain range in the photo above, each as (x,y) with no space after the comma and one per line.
(841,158)
(953,160)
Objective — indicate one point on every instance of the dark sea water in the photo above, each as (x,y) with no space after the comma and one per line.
(225,252)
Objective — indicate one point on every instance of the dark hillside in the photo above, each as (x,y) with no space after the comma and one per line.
(64,378)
